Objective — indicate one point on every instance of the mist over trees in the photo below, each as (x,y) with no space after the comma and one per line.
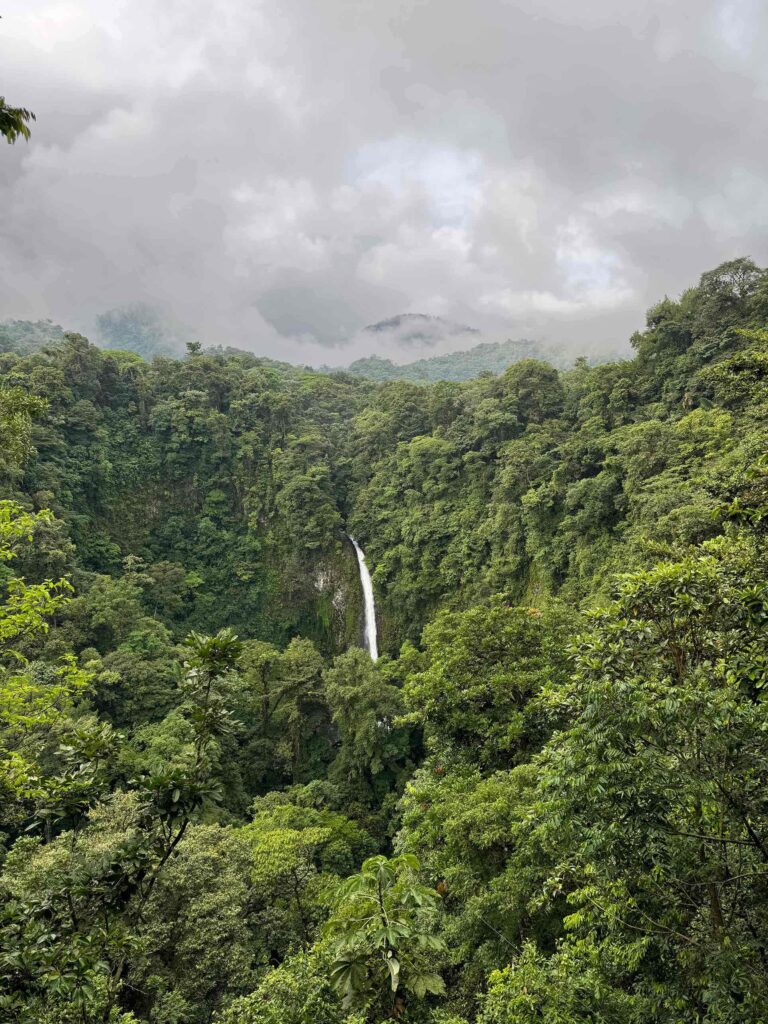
(139,328)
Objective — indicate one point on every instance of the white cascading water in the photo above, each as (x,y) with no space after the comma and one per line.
(371,641)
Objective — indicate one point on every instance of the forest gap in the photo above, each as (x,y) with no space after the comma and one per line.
(370,638)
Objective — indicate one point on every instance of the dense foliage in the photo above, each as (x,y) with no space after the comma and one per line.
(487,357)
(545,802)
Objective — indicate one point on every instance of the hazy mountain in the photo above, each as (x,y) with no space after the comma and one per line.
(26,336)
(487,357)
(419,330)
(141,328)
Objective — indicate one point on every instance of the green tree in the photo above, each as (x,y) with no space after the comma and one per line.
(374,748)
(197,948)
(283,712)
(17,409)
(652,805)
(14,121)
(474,687)
(74,904)
(32,700)
(299,991)
(573,987)
(296,853)
(383,936)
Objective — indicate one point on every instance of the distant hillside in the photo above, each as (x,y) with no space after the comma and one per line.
(141,328)
(27,336)
(488,357)
(417,329)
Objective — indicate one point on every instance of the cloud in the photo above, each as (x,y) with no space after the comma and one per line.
(280,174)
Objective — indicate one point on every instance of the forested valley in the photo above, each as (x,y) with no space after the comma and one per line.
(546,801)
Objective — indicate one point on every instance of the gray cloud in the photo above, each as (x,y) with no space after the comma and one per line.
(280,174)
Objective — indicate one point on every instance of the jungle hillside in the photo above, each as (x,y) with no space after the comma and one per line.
(545,801)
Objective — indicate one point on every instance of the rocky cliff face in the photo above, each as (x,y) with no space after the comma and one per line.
(332,613)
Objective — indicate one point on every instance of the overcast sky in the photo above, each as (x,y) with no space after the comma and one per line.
(280,173)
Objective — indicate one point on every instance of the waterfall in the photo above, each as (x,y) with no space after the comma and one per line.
(370,605)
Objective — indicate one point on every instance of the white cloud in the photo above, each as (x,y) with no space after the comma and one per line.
(288,170)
